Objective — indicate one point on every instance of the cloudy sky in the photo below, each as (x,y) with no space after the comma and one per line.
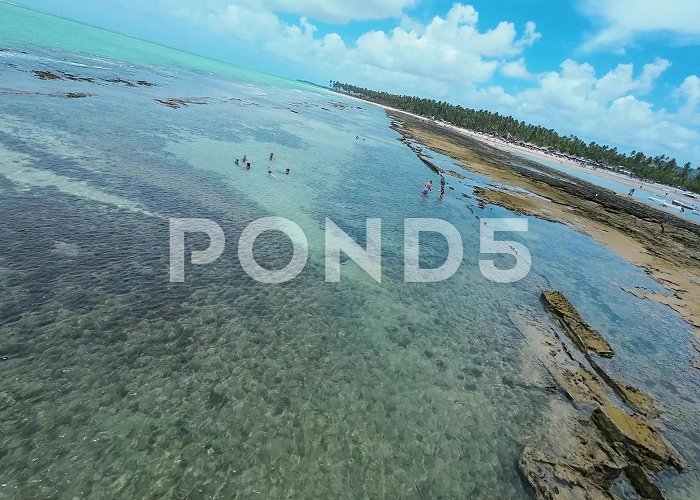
(622,72)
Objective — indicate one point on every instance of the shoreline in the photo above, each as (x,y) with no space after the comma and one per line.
(520,151)
(663,244)
(653,187)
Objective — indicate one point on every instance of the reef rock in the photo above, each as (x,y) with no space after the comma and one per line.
(76,78)
(640,443)
(555,479)
(580,332)
(641,403)
(178,103)
(642,483)
(46,75)
(120,80)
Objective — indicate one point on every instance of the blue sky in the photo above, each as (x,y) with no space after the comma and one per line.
(621,72)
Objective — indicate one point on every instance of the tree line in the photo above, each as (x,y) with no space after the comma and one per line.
(651,168)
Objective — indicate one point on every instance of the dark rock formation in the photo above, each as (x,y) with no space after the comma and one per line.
(76,78)
(176,103)
(120,80)
(641,482)
(46,75)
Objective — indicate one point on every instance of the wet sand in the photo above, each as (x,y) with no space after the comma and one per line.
(665,245)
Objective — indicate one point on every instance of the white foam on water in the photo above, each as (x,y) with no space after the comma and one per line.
(33,57)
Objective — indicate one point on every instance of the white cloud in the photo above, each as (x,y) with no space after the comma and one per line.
(515,69)
(620,81)
(607,109)
(247,24)
(624,20)
(327,11)
(689,91)
(530,37)
(341,11)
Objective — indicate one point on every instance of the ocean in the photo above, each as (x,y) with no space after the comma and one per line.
(117,383)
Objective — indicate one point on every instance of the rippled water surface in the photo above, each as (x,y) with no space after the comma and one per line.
(117,383)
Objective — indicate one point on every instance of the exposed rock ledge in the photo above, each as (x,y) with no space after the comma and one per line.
(611,444)
(580,332)
(633,437)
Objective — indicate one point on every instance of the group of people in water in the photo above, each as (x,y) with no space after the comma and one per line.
(246,164)
(429,187)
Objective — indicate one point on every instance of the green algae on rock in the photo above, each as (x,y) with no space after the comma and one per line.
(580,332)
(639,442)
(641,403)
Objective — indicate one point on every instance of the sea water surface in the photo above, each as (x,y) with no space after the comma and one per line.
(117,383)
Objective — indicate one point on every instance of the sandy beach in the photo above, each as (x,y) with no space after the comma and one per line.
(658,189)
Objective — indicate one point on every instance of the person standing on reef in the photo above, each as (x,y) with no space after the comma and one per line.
(245,159)
(427,188)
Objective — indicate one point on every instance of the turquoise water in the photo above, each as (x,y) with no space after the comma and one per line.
(117,383)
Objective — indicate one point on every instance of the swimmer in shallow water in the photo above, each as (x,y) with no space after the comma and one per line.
(247,166)
(427,188)
(272,156)
(286,172)
(237,162)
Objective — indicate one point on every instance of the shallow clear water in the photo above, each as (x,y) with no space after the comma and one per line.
(117,383)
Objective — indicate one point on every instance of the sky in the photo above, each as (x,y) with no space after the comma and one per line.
(618,72)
